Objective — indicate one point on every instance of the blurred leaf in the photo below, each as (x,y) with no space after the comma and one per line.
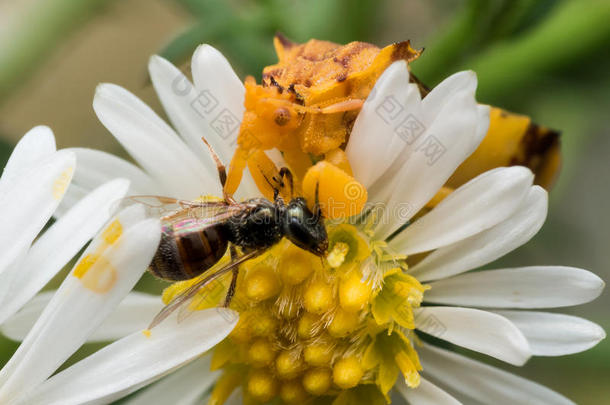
(340,21)
(237,32)
(245,33)
(479,25)
(520,15)
(7,348)
(305,19)
(206,7)
(182,46)
(447,49)
(5,152)
(574,30)
(48,21)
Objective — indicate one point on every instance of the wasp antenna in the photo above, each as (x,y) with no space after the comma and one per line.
(222,171)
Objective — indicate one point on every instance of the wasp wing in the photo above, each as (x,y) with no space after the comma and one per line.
(184,215)
(167,207)
(184,298)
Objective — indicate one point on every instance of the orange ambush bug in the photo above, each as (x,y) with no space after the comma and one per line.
(306,106)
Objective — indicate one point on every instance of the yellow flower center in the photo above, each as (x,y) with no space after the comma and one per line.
(313,327)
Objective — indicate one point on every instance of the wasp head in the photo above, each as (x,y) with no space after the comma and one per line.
(305,228)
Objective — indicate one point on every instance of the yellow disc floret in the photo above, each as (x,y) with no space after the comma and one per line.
(343,323)
(318,354)
(264,324)
(262,283)
(306,326)
(261,353)
(317,381)
(354,294)
(318,297)
(262,386)
(292,392)
(347,372)
(288,365)
(296,265)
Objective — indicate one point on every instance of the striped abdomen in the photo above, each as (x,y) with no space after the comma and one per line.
(184,254)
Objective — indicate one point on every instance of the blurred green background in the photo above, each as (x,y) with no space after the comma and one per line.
(545,58)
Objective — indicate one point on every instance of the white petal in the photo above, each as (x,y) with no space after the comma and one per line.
(176,94)
(477,330)
(11,273)
(236,398)
(483,202)
(425,394)
(220,99)
(85,298)
(60,243)
(182,387)
(489,245)
(376,139)
(136,360)
(440,96)
(247,187)
(37,144)
(132,314)
(410,129)
(551,334)
(484,383)
(73,195)
(276,157)
(96,167)
(30,201)
(483,112)
(152,143)
(445,144)
(523,287)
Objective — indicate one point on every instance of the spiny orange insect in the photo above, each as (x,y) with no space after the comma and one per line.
(307,103)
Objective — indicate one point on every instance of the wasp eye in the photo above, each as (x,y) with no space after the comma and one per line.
(282,116)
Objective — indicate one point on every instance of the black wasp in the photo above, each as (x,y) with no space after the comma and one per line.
(196,235)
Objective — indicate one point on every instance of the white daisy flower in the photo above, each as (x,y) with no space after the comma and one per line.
(350,325)
(32,186)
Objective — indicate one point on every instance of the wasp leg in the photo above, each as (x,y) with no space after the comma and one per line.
(316,208)
(278,182)
(275,185)
(343,106)
(222,172)
(231,291)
